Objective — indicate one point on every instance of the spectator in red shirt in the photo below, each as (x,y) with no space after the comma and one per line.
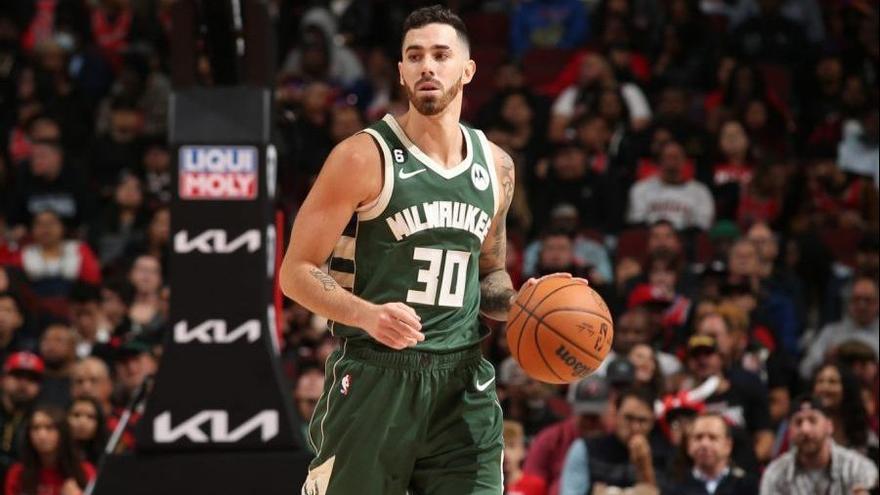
(49,464)
(53,264)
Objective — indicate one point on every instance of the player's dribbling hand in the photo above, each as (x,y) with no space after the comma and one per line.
(534,281)
(395,325)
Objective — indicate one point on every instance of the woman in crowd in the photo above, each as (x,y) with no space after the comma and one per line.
(52,264)
(88,428)
(647,370)
(122,222)
(839,391)
(147,309)
(732,170)
(49,462)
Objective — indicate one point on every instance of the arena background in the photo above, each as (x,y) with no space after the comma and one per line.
(710,166)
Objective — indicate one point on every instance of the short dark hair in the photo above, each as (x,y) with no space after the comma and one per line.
(16,300)
(83,292)
(808,402)
(662,223)
(728,430)
(640,394)
(436,14)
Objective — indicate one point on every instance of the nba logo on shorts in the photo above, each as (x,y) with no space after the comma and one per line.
(480,177)
(346,383)
(218,172)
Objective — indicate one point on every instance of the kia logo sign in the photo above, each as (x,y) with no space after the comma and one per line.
(216,332)
(216,241)
(217,421)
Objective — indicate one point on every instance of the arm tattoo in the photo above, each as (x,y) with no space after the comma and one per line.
(507,187)
(507,180)
(496,291)
(326,280)
(496,288)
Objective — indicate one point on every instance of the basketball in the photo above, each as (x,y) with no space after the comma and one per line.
(559,330)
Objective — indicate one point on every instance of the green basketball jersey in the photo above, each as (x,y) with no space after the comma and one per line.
(419,242)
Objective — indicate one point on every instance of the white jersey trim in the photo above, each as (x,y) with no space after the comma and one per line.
(446,173)
(375,208)
(493,174)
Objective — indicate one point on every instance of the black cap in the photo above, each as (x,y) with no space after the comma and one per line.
(698,342)
(132,347)
(621,373)
(589,396)
(807,402)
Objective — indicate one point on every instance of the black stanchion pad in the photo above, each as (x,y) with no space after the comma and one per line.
(234,473)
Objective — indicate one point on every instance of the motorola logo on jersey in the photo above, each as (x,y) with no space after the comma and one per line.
(218,172)
(216,332)
(480,177)
(218,428)
(216,241)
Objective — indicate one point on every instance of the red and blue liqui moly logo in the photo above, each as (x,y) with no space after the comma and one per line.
(218,172)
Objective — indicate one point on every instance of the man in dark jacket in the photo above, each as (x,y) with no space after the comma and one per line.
(48,184)
(709,447)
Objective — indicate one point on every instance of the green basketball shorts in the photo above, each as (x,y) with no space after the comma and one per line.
(395,422)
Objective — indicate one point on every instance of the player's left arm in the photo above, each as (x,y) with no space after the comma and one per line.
(496,288)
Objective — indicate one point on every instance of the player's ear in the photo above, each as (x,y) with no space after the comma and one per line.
(400,73)
(470,68)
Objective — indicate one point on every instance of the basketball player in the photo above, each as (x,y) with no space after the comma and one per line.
(409,404)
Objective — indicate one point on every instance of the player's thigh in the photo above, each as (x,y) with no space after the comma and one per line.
(361,432)
(464,446)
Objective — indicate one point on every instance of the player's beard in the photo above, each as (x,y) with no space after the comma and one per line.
(432,105)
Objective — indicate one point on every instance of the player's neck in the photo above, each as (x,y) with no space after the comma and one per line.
(438,136)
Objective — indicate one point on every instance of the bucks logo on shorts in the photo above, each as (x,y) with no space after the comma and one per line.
(419,242)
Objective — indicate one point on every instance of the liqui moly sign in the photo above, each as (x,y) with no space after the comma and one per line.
(218,172)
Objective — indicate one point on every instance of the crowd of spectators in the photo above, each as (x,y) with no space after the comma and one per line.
(710,166)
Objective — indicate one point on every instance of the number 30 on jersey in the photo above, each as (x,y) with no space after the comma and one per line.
(454,266)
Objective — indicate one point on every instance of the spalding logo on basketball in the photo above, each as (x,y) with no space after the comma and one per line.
(480,177)
(559,331)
